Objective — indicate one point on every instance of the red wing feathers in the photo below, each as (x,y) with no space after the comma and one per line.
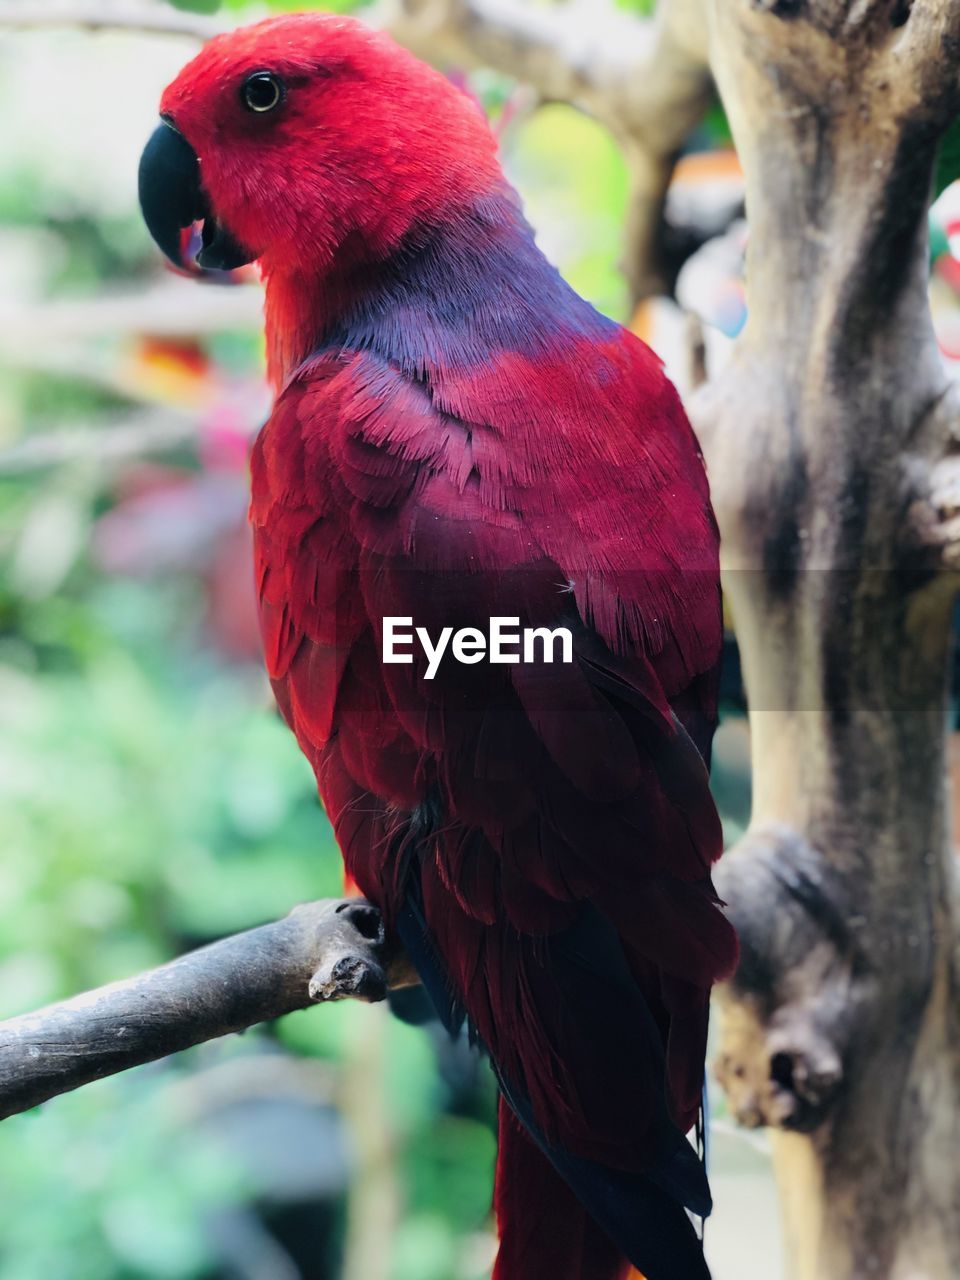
(559,783)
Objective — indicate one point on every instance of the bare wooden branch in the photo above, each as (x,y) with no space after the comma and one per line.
(153,19)
(931,468)
(570,53)
(791,1014)
(328,950)
(172,307)
(141,436)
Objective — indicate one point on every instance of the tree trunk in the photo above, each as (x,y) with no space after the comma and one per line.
(828,440)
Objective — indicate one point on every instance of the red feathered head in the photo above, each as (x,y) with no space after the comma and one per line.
(304,134)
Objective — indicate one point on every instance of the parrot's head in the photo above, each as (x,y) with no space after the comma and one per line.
(307,138)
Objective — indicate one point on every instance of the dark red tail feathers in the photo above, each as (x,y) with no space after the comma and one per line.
(545,1232)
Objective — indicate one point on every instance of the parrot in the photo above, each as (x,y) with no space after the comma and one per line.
(458,439)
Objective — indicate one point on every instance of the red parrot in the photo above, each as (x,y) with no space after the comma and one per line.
(457,437)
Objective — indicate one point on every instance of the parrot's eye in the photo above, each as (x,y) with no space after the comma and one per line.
(262,91)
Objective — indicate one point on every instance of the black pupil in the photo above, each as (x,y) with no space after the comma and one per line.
(261,92)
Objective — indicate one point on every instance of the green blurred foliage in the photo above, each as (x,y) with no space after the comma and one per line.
(152,800)
(948,159)
(108,1183)
(197,6)
(576,180)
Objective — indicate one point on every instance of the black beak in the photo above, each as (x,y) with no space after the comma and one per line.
(171,199)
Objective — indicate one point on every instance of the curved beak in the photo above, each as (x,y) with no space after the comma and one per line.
(171,199)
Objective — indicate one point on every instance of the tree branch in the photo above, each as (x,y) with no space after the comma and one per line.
(329,950)
(781,1052)
(172,306)
(568,54)
(931,469)
(144,435)
(152,19)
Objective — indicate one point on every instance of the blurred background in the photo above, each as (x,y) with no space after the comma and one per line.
(150,798)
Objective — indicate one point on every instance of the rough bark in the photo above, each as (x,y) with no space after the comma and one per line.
(829,441)
(330,950)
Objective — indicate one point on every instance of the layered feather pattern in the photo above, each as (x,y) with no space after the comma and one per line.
(470,439)
(457,437)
